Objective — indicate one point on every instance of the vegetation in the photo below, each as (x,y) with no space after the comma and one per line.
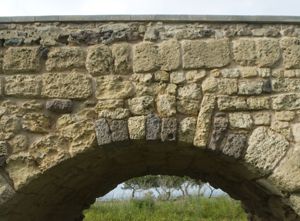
(193,208)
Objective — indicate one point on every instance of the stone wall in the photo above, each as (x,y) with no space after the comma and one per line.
(228,91)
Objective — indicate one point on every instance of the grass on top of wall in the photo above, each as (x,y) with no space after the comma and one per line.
(220,208)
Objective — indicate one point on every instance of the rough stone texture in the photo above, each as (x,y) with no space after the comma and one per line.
(137,127)
(240,120)
(102,132)
(145,57)
(99,60)
(71,85)
(113,87)
(61,106)
(235,145)
(119,130)
(22,86)
(250,87)
(36,122)
(166,105)
(291,52)
(122,58)
(220,126)
(210,54)
(187,129)
(21,59)
(141,105)
(244,52)
(169,55)
(63,58)
(261,118)
(168,129)
(266,149)
(153,124)
(286,102)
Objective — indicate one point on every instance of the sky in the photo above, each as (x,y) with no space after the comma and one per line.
(101,7)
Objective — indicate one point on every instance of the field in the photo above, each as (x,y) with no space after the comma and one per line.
(183,209)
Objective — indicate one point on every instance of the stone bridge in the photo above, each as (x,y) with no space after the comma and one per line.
(89,102)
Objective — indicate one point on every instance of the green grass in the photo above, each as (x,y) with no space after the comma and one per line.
(185,209)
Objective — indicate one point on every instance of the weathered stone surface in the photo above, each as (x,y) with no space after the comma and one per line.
(282,127)
(232,103)
(18,143)
(266,149)
(187,129)
(161,76)
(99,60)
(250,87)
(244,51)
(285,115)
(3,152)
(220,86)
(153,127)
(145,57)
(177,77)
(195,76)
(113,87)
(235,145)
(258,103)
(248,72)
(240,120)
(71,85)
(291,52)
(122,58)
(102,132)
(168,129)
(21,59)
(118,113)
(220,126)
(289,101)
(210,54)
(189,91)
(6,190)
(9,125)
(268,52)
(295,202)
(169,55)
(230,73)
(141,105)
(22,86)
(109,104)
(187,106)
(204,121)
(286,85)
(36,122)
(166,105)
(61,106)
(119,130)
(261,118)
(63,58)
(137,127)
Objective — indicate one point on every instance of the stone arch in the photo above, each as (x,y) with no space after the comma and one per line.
(94,104)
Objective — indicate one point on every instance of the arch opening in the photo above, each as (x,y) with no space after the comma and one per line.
(65,190)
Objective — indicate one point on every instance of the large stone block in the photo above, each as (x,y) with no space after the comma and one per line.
(187,129)
(244,51)
(169,55)
(145,57)
(289,101)
(210,53)
(291,52)
(99,60)
(240,120)
(286,85)
(122,58)
(71,85)
(113,87)
(21,59)
(189,91)
(235,145)
(168,129)
(22,85)
(137,127)
(266,149)
(65,58)
(268,52)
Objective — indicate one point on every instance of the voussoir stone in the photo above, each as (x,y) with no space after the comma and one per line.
(168,129)
(99,60)
(266,149)
(206,53)
(71,85)
(153,124)
(187,129)
(61,106)
(119,130)
(102,132)
(21,59)
(137,127)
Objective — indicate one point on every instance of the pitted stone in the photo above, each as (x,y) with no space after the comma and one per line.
(3,152)
(168,129)
(187,129)
(153,124)
(250,87)
(119,130)
(240,120)
(137,127)
(145,57)
(22,86)
(220,127)
(235,145)
(141,105)
(166,105)
(122,58)
(102,132)
(290,101)
(169,55)
(291,52)
(61,106)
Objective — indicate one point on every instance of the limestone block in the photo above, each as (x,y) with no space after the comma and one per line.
(145,57)
(99,60)
(63,58)
(266,149)
(109,104)
(261,118)
(244,51)
(220,86)
(102,132)
(141,105)
(258,103)
(118,113)
(71,85)
(169,55)
(235,145)
(166,105)
(289,101)
(248,72)
(291,52)
(282,127)
(177,77)
(21,59)
(153,123)
(285,85)
(162,76)
(18,143)
(61,106)
(285,115)
(187,106)
(268,52)
(250,87)
(195,76)
(113,87)
(295,202)
(168,129)
(226,103)
(230,73)
(240,120)
(121,54)
(189,91)
(119,130)
(36,122)
(9,126)
(22,86)
(220,127)
(209,54)
(137,127)
(6,191)
(187,129)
